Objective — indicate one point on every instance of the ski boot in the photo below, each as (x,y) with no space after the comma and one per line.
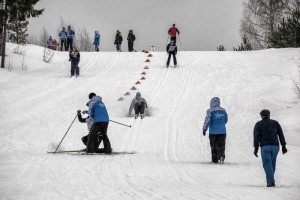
(136,116)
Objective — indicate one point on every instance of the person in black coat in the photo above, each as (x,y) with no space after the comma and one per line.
(266,134)
(118,40)
(74,57)
(172,50)
(131,39)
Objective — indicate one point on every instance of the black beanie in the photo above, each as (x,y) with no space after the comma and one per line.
(265,113)
(91,95)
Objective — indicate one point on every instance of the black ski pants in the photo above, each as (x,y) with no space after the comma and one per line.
(74,67)
(96,144)
(69,44)
(139,108)
(173,39)
(62,44)
(98,127)
(217,144)
(130,46)
(174,58)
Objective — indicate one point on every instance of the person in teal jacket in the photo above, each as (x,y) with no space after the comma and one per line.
(215,121)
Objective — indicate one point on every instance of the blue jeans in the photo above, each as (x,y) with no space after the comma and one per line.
(74,67)
(118,46)
(269,155)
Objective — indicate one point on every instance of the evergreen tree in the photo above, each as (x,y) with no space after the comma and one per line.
(15,10)
(245,46)
(287,33)
(20,30)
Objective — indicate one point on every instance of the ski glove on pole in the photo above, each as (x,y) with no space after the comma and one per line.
(85,112)
(204,133)
(284,150)
(255,152)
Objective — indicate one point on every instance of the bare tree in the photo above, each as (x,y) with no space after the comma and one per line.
(32,40)
(84,40)
(44,36)
(260,19)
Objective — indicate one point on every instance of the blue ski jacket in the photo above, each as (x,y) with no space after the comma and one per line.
(70,34)
(216,118)
(62,35)
(97,39)
(97,110)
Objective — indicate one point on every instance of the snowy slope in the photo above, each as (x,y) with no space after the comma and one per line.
(171,158)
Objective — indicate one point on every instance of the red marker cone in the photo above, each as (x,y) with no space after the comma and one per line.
(143,78)
(147,60)
(146,67)
(127,93)
(144,73)
(146,51)
(138,82)
(150,55)
(133,88)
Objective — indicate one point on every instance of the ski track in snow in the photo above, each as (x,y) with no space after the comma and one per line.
(170,158)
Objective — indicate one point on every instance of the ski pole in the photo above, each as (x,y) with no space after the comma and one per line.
(179,39)
(66,133)
(120,123)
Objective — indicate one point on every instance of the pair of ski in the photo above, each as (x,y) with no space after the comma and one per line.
(83,152)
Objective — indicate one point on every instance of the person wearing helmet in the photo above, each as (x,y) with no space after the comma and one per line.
(139,105)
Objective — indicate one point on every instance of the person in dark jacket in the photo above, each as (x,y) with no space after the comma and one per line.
(98,113)
(50,43)
(74,57)
(63,38)
(70,37)
(172,50)
(266,134)
(172,33)
(139,105)
(131,39)
(215,121)
(118,40)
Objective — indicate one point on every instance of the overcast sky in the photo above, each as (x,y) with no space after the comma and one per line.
(204,24)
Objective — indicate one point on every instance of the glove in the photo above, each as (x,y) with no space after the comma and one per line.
(69,59)
(255,152)
(204,133)
(85,112)
(284,150)
(78,112)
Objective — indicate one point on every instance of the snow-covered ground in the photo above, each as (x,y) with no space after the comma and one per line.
(170,157)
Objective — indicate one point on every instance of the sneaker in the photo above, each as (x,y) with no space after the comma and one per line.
(142,116)
(271,185)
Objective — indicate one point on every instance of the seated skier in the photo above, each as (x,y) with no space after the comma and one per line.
(90,123)
(139,104)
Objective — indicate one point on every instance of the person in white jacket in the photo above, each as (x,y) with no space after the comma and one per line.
(139,105)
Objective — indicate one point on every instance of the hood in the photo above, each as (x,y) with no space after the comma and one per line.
(215,102)
(94,99)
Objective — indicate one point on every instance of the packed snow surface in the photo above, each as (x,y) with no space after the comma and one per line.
(163,156)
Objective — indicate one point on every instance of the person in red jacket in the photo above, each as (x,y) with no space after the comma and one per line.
(172,33)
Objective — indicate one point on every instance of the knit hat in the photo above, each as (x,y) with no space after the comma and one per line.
(138,94)
(265,113)
(91,95)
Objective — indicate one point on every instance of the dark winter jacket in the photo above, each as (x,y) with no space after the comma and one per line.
(216,118)
(87,120)
(131,37)
(97,110)
(74,55)
(119,38)
(266,132)
(97,39)
(172,48)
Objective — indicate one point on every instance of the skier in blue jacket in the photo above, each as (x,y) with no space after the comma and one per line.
(70,36)
(96,40)
(63,38)
(98,113)
(215,121)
